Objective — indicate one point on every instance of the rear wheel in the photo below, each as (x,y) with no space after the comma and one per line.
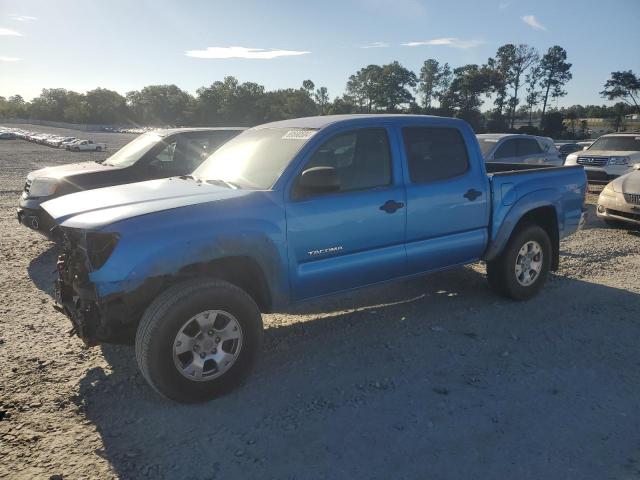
(98,149)
(198,340)
(522,268)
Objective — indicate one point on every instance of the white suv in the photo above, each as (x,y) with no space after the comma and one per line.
(608,157)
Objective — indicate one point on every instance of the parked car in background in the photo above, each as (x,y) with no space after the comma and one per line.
(158,154)
(609,157)
(56,142)
(294,210)
(517,148)
(67,141)
(7,136)
(87,146)
(619,201)
(565,149)
(585,144)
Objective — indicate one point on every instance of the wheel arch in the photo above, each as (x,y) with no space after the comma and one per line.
(538,211)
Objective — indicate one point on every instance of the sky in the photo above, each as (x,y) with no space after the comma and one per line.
(125,45)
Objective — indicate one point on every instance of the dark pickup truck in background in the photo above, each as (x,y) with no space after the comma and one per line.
(293,210)
(156,154)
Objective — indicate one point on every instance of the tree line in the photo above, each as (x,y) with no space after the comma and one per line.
(516,83)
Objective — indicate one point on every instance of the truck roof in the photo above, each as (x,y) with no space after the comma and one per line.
(163,132)
(319,122)
(621,134)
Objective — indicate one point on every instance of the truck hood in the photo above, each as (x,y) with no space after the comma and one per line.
(62,171)
(629,183)
(608,153)
(94,209)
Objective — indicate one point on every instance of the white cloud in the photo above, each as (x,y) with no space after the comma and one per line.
(9,32)
(243,52)
(503,5)
(375,45)
(447,42)
(8,59)
(21,18)
(533,22)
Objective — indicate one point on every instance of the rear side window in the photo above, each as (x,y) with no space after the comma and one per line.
(528,146)
(434,153)
(361,158)
(506,150)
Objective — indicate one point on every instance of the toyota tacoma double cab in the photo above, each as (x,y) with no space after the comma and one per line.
(290,211)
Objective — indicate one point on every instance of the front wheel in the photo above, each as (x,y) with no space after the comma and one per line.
(198,340)
(522,268)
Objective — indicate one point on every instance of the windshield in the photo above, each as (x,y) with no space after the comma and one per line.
(620,143)
(134,150)
(486,144)
(255,158)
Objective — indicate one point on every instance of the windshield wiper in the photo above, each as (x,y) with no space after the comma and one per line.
(219,181)
(189,177)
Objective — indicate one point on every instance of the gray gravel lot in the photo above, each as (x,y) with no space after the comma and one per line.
(432,378)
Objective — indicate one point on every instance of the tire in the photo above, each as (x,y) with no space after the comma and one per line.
(501,272)
(170,314)
(98,149)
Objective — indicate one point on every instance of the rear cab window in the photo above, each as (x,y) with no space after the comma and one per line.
(434,153)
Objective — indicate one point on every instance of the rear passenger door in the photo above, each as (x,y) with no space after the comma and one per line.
(447,199)
(354,236)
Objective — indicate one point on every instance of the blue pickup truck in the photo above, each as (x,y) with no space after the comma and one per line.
(294,210)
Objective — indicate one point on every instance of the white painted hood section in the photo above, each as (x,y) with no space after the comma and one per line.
(93,209)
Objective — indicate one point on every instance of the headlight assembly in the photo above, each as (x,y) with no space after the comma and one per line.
(619,161)
(43,187)
(608,191)
(100,245)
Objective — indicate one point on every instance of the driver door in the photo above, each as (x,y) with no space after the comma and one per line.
(353,236)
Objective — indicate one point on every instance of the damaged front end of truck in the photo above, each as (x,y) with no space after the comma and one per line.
(94,319)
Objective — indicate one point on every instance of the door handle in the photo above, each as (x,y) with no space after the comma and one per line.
(390,206)
(472,194)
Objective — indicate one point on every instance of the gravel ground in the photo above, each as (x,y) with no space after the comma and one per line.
(431,378)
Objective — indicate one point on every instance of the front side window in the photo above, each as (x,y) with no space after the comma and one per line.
(362,158)
(434,153)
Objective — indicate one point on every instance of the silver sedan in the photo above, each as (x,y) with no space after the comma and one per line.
(619,201)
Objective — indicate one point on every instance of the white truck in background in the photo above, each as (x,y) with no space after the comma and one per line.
(87,146)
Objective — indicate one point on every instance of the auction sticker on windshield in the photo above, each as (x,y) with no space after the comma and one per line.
(298,135)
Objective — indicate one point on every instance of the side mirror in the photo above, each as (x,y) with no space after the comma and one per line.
(319,180)
(585,148)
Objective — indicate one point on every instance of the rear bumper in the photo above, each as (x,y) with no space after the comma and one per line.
(605,174)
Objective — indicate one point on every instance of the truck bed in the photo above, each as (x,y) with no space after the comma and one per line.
(517,188)
(500,168)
